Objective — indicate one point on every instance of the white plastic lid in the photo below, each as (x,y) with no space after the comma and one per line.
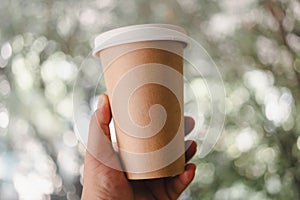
(138,33)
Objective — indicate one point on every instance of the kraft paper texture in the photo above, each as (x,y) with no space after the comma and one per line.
(117,62)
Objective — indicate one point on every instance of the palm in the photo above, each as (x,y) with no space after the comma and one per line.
(103,182)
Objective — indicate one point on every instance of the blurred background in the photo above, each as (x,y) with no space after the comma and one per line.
(255,43)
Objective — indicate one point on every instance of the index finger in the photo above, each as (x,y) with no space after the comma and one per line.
(189,124)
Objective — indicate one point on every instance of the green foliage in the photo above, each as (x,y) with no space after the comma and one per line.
(256,45)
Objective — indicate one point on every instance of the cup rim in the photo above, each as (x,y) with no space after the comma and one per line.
(138,33)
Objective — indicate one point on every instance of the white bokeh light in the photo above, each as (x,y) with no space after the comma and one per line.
(4,118)
(246,139)
(6,51)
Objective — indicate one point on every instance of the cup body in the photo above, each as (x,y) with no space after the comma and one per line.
(145,88)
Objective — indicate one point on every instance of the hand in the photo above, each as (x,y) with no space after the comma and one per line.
(103,182)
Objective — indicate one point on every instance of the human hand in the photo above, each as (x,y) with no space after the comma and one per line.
(103,182)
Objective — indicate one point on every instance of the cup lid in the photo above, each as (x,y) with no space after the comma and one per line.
(138,33)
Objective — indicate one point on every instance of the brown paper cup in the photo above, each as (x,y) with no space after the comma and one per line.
(145,88)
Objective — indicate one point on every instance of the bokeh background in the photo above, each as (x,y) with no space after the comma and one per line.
(255,43)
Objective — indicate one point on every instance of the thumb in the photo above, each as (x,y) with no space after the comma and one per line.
(99,148)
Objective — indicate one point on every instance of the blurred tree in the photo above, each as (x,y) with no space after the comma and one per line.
(256,45)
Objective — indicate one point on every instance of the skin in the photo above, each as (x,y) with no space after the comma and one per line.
(103,182)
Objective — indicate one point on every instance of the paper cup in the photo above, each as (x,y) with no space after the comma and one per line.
(143,69)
